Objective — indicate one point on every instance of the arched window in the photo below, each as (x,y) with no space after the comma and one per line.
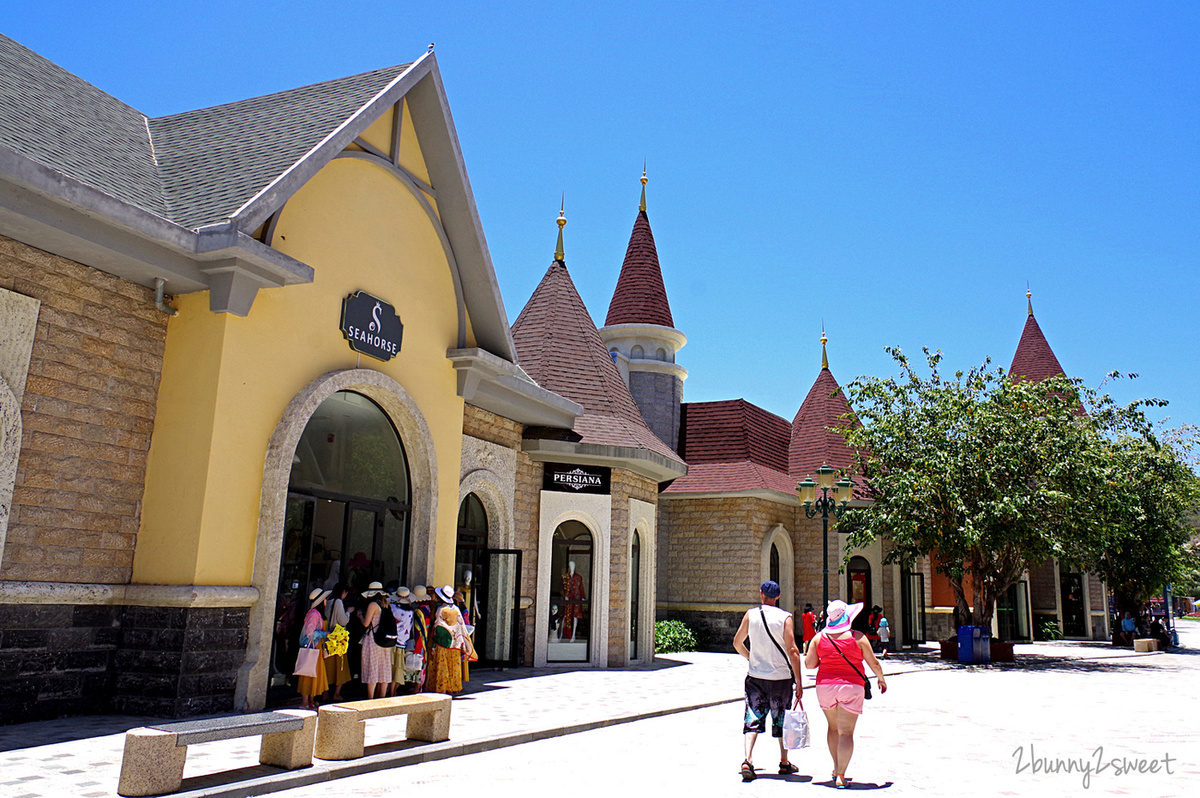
(858,582)
(635,590)
(779,565)
(774,567)
(637,352)
(662,353)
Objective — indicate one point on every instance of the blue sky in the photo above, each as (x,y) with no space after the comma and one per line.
(897,172)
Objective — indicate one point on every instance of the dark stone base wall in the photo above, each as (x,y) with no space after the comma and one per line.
(56,660)
(64,660)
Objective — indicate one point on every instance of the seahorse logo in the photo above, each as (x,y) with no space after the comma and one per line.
(376,325)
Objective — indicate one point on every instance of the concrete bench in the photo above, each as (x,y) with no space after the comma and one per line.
(342,728)
(155,755)
(1145,644)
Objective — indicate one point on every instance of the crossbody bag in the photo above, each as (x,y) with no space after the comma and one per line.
(767,629)
(861,675)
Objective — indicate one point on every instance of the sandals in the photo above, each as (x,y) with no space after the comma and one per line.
(840,781)
(748,773)
(787,769)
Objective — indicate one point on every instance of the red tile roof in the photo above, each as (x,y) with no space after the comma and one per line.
(640,296)
(812,443)
(734,446)
(744,475)
(559,346)
(1034,360)
(731,431)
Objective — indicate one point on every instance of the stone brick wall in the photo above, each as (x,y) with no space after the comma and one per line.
(490,427)
(526,520)
(88,412)
(710,552)
(625,486)
(1042,596)
(658,396)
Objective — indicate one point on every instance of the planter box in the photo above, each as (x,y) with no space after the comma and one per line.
(949,649)
(1002,652)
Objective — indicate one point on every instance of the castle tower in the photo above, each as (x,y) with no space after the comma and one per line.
(640,333)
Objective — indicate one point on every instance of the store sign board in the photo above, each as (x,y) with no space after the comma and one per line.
(576,478)
(371,326)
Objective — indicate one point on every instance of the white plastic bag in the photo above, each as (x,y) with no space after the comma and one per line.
(795,729)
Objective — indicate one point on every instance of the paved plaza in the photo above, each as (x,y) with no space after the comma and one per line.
(674,728)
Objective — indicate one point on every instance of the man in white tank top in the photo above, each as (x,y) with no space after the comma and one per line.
(774,659)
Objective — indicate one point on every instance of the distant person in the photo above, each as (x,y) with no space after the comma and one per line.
(838,653)
(773,674)
(885,636)
(808,623)
(1128,629)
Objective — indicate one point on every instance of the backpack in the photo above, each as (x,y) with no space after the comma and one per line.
(385,630)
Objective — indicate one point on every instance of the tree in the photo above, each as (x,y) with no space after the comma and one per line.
(1143,542)
(991,475)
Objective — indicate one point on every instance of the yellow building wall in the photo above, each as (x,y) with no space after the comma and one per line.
(227,380)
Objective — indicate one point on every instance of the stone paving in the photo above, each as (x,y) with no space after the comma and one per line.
(1067,697)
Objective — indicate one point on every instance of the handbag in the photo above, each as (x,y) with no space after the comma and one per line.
(307,660)
(795,728)
(861,675)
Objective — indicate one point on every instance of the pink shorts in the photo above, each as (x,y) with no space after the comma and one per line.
(847,696)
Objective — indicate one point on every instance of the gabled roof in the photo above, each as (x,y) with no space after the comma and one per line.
(87,177)
(213,160)
(1034,360)
(812,443)
(559,346)
(640,296)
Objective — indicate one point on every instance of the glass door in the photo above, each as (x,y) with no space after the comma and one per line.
(1074,622)
(498,606)
(912,607)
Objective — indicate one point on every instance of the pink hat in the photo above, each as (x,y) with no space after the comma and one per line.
(839,615)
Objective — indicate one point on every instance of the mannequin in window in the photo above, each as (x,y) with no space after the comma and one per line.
(573,596)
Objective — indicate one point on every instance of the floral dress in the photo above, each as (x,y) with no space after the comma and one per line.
(376,660)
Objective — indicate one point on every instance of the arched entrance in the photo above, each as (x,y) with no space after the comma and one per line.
(346,518)
(571,591)
(858,582)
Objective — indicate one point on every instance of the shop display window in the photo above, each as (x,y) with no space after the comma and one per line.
(570,594)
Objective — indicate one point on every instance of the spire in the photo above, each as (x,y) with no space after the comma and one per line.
(1029,298)
(824,357)
(1034,359)
(642,206)
(562,222)
(640,296)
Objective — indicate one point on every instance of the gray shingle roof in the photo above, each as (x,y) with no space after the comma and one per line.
(213,160)
(52,117)
(194,168)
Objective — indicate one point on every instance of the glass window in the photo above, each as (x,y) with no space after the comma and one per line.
(774,569)
(635,589)
(350,448)
(570,594)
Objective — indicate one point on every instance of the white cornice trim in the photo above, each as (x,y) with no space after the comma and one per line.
(656,332)
(498,386)
(658,367)
(640,461)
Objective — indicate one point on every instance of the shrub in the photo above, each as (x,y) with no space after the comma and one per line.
(1048,629)
(673,636)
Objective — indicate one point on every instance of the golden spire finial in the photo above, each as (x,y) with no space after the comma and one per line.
(1029,298)
(562,221)
(642,206)
(824,357)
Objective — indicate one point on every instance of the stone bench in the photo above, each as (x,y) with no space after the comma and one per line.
(342,728)
(1145,644)
(155,755)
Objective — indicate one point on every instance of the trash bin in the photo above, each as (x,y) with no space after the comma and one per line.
(967,646)
(983,652)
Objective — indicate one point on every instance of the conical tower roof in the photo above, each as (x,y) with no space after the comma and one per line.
(1034,360)
(559,346)
(640,296)
(813,443)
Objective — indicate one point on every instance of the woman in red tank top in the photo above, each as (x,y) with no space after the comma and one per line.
(838,654)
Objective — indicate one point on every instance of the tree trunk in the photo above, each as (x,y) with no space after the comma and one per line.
(962,612)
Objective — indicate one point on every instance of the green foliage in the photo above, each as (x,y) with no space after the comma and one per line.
(673,636)
(1048,629)
(1145,541)
(992,475)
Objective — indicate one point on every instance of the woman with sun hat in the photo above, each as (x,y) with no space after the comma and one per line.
(838,654)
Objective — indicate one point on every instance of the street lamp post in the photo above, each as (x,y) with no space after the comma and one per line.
(825,504)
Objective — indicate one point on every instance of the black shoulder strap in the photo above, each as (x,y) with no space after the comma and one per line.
(767,629)
(838,649)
